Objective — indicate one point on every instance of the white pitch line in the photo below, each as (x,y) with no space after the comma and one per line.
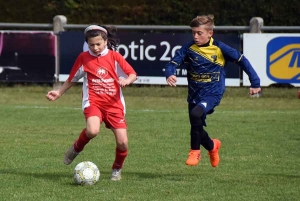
(172,111)
(45,107)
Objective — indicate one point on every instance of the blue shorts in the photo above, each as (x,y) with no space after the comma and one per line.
(208,104)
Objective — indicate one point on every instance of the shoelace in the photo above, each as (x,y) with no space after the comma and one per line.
(212,154)
(194,154)
(116,172)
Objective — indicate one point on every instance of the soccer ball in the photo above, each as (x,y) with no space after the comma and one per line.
(86,173)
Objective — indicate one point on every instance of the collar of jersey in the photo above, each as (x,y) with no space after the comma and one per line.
(104,52)
(209,43)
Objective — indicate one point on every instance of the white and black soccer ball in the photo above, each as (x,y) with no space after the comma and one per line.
(86,173)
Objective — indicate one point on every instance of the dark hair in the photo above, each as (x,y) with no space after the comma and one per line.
(111,37)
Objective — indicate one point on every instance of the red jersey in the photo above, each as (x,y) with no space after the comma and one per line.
(100,79)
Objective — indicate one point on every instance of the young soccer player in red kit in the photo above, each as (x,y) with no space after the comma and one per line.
(102,99)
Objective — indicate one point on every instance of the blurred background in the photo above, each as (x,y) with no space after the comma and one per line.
(40,40)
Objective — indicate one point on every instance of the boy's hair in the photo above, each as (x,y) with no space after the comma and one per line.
(109,34)
(207,20)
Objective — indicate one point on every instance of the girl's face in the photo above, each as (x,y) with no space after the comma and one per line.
(201,35)
(97,44)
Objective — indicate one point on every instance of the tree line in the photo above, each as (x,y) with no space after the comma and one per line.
(151,12)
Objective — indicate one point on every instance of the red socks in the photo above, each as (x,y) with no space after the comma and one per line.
(81,141)
(119,160)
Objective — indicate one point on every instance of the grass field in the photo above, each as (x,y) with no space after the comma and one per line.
(259,154)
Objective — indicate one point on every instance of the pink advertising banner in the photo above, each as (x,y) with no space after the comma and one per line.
(27,56)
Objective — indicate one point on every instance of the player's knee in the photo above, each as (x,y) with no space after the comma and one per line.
(196,115)
(122,145)
(92,132)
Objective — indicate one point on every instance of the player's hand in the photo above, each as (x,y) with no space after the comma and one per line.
(124,82)
(52,95)
(171,80)
(254,91)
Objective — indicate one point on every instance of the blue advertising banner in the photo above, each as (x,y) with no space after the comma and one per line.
(148,53)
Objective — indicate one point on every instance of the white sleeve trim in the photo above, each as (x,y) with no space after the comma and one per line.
(79,74)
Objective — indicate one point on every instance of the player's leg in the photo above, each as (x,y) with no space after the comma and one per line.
(120,152)
(212,145)
(195,117)
(213,148)
(93,121)
(116,122)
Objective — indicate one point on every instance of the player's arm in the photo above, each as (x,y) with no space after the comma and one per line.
(235,56)
(130,79)
(127,69)
(176,61)
(66,85)
(55,94)
(75,74)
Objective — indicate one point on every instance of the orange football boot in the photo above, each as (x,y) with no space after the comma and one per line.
(214,154)
(193,158)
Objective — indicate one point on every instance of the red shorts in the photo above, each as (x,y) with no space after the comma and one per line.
(111,120)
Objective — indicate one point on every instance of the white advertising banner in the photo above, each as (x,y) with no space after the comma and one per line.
(274,56)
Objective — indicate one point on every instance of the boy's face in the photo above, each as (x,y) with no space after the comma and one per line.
(201,35)
(96,44)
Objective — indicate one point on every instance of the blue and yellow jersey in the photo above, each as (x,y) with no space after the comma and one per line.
(206,68)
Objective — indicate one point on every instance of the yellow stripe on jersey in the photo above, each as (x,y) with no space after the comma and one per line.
(211,53)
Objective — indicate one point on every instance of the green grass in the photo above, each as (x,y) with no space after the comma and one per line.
(259,154)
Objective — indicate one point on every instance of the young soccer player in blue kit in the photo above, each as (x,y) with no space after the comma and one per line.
(205,58)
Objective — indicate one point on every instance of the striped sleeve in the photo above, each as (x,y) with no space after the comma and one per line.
(77,71)
(233,55)
(177,60)
(123,64)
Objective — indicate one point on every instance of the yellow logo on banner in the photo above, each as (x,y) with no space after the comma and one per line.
(284,63)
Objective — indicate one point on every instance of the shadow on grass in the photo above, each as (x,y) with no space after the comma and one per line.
(286,176)
(40,175)
(164,176)
(295,138)
(68,180)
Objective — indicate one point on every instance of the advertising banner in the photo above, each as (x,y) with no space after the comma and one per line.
(27,56)
(275,57)
(148,53)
